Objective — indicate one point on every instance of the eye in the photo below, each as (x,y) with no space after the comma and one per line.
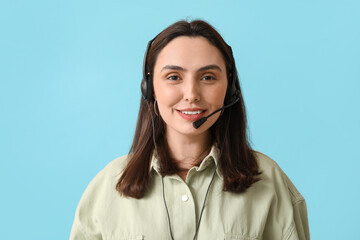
(173,77)
(208,78)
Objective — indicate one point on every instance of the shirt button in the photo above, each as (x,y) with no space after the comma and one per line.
(184,198)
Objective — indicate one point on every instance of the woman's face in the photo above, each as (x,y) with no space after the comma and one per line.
(190,82)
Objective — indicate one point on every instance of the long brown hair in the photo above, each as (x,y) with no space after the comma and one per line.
(238,164)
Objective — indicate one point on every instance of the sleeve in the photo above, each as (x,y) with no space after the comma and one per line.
(77,233)
(301,220)
(81,232)
(91,217)
(299,211)
(87,220)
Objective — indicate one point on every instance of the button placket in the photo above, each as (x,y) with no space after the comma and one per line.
(182,210)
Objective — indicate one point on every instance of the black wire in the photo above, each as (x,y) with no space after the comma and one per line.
(167,211)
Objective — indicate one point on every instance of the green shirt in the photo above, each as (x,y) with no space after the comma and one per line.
(270,209)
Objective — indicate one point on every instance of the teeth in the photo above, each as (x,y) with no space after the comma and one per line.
(191,113)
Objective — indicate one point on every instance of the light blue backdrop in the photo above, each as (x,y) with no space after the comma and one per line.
(69,93)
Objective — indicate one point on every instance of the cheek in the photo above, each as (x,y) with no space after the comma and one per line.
(217,96)
(166,95)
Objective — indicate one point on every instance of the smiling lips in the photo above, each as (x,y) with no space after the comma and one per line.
(191,114)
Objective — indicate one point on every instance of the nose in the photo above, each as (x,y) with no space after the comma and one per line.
(191,91)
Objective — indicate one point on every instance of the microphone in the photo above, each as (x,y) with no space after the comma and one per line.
(201,121)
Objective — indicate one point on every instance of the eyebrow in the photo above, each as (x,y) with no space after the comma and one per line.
(210,67)
(173,67)
(205,68)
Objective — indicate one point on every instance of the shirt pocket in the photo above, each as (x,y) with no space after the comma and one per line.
(230,236)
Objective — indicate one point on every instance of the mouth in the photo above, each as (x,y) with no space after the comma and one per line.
(191,114)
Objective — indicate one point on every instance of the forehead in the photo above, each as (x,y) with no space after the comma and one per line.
(190,52)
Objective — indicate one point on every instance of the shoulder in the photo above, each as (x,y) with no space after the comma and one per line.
(115,167)
(266,163)
(110,173)
(274,175)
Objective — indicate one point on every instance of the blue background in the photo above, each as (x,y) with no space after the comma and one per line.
(70,73)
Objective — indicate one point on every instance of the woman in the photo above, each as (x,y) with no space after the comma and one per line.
(190,173)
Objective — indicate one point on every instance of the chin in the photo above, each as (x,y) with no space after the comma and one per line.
(191,131)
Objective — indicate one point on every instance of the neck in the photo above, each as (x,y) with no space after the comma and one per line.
(188,151)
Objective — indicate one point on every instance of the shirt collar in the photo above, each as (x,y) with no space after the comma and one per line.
(211,159)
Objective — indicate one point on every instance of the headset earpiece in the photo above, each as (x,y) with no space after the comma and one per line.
(147,89)
(233,93)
